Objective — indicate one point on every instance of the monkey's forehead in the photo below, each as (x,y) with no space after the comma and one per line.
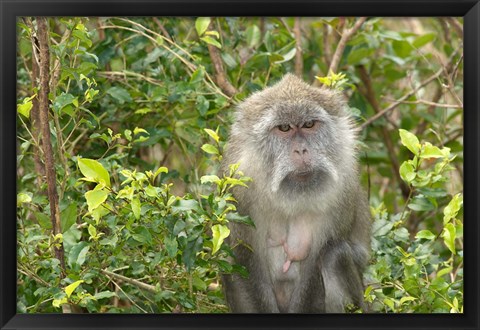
(282,111)
(291,98)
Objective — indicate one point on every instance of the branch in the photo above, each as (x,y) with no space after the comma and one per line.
(34,113)
(125,73)
(434,104)
(406,96)
(298,47)
(44,71)
(326,48)
(162,28)
(456,26)
(346,35)
(220,74)
(370,96)
(134,282)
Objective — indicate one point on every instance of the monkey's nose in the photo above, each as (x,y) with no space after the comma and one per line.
(300,151)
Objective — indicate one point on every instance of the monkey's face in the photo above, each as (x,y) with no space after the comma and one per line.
(300,146)
(294,140)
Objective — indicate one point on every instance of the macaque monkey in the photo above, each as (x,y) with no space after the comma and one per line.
(311,240)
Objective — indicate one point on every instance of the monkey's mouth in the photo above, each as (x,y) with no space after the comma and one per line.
(303,181)
(302,176)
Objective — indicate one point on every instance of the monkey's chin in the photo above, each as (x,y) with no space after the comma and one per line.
(299,182)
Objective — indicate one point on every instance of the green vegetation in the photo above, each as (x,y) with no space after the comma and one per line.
(121,128)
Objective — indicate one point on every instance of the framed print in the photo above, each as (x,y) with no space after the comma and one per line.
(223,164)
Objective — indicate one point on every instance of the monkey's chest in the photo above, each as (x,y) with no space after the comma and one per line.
(288,254)
(287,247)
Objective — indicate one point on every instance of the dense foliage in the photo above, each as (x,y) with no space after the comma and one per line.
(138,115)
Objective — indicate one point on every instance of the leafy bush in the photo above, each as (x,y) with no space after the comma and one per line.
(414,272)
(138,112)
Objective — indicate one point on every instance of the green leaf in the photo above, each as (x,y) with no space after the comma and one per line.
(68,216)
(358,55)
(98,213)
(161,169)
(402,48)
(449,235)
(235,217)
(211,41)
(210,149)
(138,130)
(185,205)
(23,198)
(104,294)
(201,25)
(58,302)
(390,303)
(410,141)
(213,33)
(78,254)
(171,245)
(444,271)
(235,182)
(151,191)
(190,252)
(92,231)
(24,108)
(209,179)
(94,171)
(95,198)
(421,204)
(70,288)
(407,172)
(451,210)
(253,36)
(44,220)
(136,207)
(202,105)
(199,284)
(128,134)
(198,75)
(287,52)
(62,100)
(212,134)
(426,234)
(423,40)
(142,235)
(430,151)
(120,94)
(405,299)
(219,233)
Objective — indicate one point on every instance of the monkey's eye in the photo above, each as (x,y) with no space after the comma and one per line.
(309,124)
(284,127)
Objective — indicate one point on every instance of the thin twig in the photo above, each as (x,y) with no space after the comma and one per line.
(392,106)
(132,281)
(220,75)
(327,55)
(456,26)
(126,73)
(346,35)
(433,104)
(162,28)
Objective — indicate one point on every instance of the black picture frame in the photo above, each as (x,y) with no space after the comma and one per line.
(10,9)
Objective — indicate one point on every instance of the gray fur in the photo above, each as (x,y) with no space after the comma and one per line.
(323,222)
